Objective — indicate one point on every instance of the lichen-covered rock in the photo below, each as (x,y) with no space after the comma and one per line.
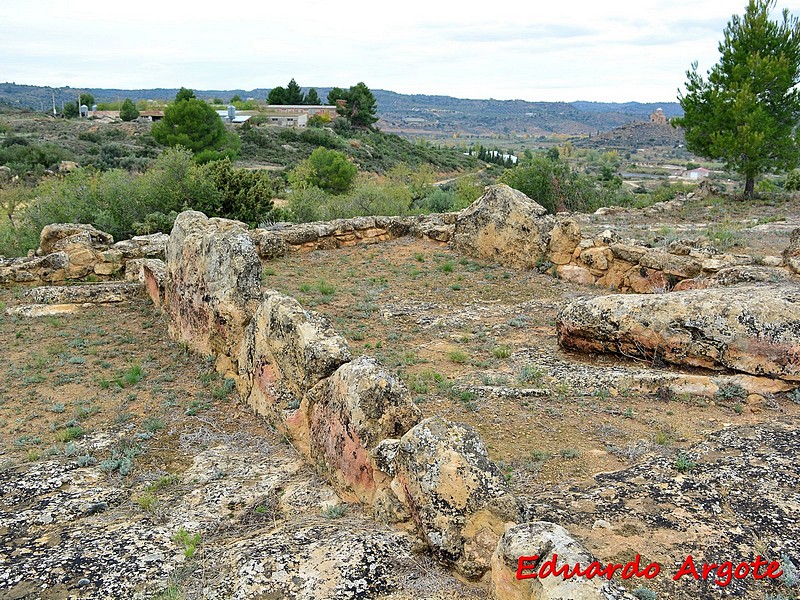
(456,495)
(564,238)
(134,268)
(213,283)
(286,351)
(350,412)
(504,226)
(628,253)
(597,259)
(301,346)
(52,234)
(436,227)
(544,540)
(317,562)
(270,244)
(671,264)
(51,268)
(153,245)
(791,255)
(730,276)
(738,500)
(96,293)
(751,329)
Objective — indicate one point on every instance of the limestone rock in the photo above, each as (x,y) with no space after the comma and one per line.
(300,347)
(154,273)
(286,351)
(575,274)
(134,268)
(350,412)
(95,293)
(751,329)
(671,264)
(81,253)
(269,243)
(628,252)
(791,256)
(597,258)
(213,282)
(143,246)
(51,268)
(457,496)
(544,540)
(564,238)
(52,234)
(317,562)
(436,227)
(42,310)
(504,226)
(793,249)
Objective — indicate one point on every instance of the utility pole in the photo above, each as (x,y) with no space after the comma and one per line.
(54,103)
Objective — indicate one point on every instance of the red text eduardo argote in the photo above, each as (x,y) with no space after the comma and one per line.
(533,567)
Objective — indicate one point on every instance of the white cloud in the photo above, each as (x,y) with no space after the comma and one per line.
(516,49)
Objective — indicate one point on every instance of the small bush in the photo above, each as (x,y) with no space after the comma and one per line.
(336,511)
(501,351)
(457,356)
(684,463)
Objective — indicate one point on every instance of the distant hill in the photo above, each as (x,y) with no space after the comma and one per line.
(409,114)
(638,134)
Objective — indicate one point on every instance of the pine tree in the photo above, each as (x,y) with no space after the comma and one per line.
(746,112)
(277,95)
(294,95)
(128,111)
(312,98)
(190,123)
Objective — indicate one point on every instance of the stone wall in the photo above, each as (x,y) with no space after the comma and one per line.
(69,252)
(283,238)
(351,419)
(607,261)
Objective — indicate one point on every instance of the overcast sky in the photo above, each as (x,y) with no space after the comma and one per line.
(531,50)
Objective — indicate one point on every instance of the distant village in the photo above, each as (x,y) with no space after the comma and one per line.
(281,115)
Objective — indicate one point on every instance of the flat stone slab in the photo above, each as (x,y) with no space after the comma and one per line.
(752,329)
(95,293)
(42,310)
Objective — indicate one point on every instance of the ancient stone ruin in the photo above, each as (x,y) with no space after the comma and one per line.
(355,422)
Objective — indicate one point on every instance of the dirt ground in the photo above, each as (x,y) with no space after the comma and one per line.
(463,334)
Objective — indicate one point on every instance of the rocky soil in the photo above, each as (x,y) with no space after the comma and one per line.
(130,470)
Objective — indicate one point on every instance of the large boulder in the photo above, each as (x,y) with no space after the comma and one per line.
(95,293)
(544,541)
(213,284)
(143,246)
(285,352)
(350,413)
(455,493)
(504,226)
(564,238)
(752,329)
(52,234)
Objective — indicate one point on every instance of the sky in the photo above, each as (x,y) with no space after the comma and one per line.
(531,50)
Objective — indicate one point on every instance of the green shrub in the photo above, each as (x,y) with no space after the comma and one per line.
(553,185)
(246,194)
(438,201)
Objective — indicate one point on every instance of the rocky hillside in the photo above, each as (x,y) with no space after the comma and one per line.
(637,134)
